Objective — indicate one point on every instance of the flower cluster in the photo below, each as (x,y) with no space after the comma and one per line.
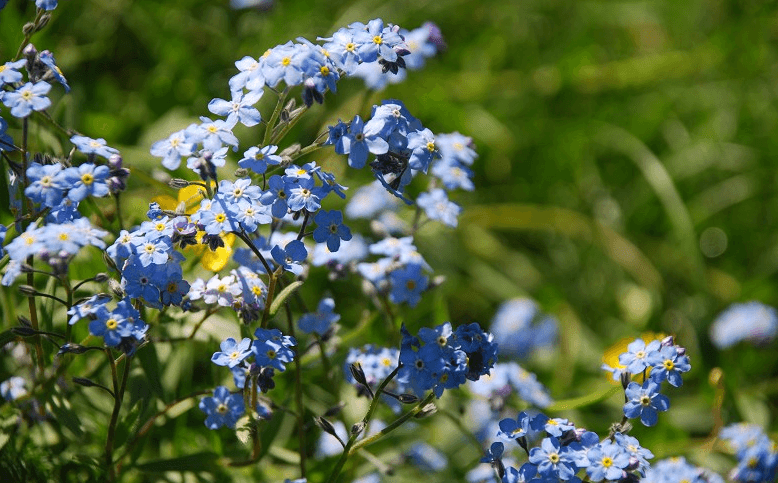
(519,328)
(757,455)
(271,351)
(55,243)
(678,469)
(120,327)
(446,359)
(564,450)
(658,361)
(149,266)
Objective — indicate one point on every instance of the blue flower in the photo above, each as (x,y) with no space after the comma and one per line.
(515,428)
(85,180)
(671,365)
(223,409)
(437,206)
(553,460)
(9,72)
(319,322)
(111,326)
(520,328)
(640,356)
(290,256)
(13,388)
(257,159)
(304,196)
(607,460)
(46,4)
(273,349)
(330,229)
(240,109)
(27,98)
(753,321)
(408,283)
(645,401)
(47,58)
(232,353)
(93,146)
(46,186)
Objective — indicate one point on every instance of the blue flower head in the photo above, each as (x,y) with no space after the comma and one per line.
(753,322)
(644,402)
(222,409)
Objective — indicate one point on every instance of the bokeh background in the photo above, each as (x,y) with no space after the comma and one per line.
(626,177)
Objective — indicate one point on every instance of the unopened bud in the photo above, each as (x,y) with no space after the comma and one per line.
(116,288)
(407,398)
(357,428)
(178,183)
(101,277)
(426,411)
(23,331)
(28,290)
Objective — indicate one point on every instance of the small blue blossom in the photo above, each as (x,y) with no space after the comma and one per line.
(753,322)
(272,348)
(85,180)
(93,146)
(257,159)
(437,206)
(239,109)
(408,283)
(232,353)
(330,229)
(290,256)
(640,356)
(47,58)
(672,364)
(319,322)
(552,460)
(13,388)
(223,409)
(607,460)
(27,98)
(644,401)
(9,72)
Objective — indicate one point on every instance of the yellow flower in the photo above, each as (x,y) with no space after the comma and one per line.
(191,197)
(611,354)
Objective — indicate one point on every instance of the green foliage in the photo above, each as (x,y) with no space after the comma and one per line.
(626,180)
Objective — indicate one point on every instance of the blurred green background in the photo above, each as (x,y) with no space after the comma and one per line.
(626,177)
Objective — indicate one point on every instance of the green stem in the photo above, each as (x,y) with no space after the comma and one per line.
(274,117)
(38,14)
(117,405)
(350,445)
(396,424)
(298,394)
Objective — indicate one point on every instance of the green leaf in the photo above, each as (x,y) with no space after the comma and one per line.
(65,416)
(149,362)
(205,461)
(282,296)
(127,424)
(6,337)
(583,401)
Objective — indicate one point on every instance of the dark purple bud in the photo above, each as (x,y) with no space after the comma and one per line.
(115,161)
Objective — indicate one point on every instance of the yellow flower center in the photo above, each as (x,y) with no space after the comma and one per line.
(350,47)
(607,462)
(286,61)
(111,324)
(325,71)
(378,40)
(221,408)
(645,400)
(431,146)
(87,178)
(221,217)
(669,365)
